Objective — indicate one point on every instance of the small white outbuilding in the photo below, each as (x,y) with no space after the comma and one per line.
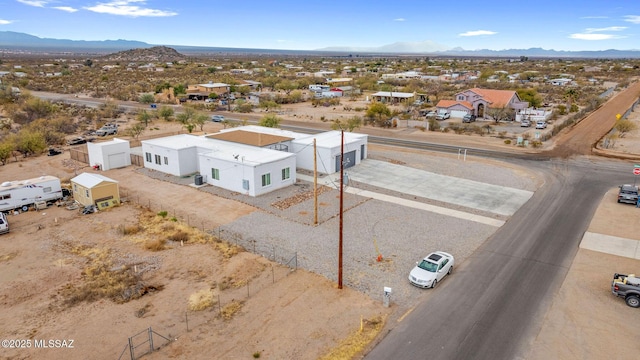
(109,155)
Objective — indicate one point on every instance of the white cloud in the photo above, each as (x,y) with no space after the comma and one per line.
(478,33)
(36,3)
(66,8)
(127,8)
(5,22)
(591,36)
(632,19)
(399,19)
(611,28)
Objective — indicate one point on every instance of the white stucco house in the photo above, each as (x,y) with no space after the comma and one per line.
(252,160)
(109,154)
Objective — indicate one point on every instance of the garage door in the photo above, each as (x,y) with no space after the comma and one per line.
(117,161)
(349,160)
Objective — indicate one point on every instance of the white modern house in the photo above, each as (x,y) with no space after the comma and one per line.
(252,159)
(109,154)
(248,170)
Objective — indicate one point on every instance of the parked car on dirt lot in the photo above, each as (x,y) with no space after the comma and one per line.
(541,125)
(628,194)
(109,129)
(431,114)
(469,118)
(77,140)
(443,116)
(433,268)
(525,123)
(217,118)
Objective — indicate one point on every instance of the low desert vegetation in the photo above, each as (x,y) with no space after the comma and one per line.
(357,341)
(201,300)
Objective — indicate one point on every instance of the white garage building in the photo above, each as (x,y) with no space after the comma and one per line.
(109,154)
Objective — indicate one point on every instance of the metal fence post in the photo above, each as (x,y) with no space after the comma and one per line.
(150,339)
(132,350)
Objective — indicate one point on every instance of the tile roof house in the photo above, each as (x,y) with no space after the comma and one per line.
(475,101)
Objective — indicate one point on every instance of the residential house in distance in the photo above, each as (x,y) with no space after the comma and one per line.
(202,91)
(392,97)
(475,101)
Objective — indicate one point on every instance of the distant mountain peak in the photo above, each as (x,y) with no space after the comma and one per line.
(152,54)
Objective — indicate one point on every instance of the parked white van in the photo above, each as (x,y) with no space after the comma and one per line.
(4,224)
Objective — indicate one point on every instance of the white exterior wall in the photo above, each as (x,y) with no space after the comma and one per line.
(109,155)
(327,147)
(180,162)
(233,172)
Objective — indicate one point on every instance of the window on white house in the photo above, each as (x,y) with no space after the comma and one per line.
(166,160)
(215,174)
(266,180)
(147,157)
(158,158)
(285,174)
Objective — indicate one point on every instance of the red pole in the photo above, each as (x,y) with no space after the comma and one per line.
(341,202)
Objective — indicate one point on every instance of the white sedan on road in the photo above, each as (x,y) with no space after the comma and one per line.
(431,269)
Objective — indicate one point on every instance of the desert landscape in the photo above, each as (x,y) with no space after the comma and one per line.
(158,269)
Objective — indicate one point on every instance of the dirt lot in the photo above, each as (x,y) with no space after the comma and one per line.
(258,307)
(49,257)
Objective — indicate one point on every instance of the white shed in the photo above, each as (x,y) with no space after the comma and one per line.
(109,154)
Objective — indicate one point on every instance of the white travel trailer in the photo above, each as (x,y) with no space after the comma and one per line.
(24,193)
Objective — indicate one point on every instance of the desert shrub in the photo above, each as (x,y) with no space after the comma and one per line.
(129,229)
(536,144)
(163,214)
(155,244)
(507,141)
(201,300)
(502,134)
(100,280)
(179,236)
(229,310)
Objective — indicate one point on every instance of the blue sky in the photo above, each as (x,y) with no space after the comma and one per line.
(309,25)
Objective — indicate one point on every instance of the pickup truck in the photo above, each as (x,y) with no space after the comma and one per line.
(107,130)
(628,287)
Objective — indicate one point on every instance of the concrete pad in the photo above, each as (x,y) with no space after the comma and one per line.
(468,193)
(611,245)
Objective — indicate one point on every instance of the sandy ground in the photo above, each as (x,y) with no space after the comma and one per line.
(282,314)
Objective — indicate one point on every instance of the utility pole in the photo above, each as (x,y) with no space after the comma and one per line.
(341,215)
(315,184)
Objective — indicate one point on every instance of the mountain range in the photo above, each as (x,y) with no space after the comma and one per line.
(15,41)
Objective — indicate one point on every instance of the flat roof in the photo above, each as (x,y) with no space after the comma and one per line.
(220,149)
(247,155)
(180,141)
(330,139)
(249,138)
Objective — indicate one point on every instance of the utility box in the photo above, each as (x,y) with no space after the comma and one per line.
(40,205)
